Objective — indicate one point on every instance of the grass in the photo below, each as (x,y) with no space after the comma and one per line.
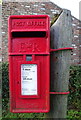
(8,114)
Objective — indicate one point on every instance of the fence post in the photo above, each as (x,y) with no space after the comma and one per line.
(61,37)
(0,62)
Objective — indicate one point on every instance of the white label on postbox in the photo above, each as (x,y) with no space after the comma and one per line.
(29,79)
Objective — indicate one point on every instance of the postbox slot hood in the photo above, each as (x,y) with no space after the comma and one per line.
(28,30)
(29,34)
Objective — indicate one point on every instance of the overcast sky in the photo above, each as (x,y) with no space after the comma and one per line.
(72,5)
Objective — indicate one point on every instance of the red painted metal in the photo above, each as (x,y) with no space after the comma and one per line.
(29,35)
(59,49)
(60,93)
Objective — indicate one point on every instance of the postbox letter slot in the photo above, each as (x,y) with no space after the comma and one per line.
(29,34)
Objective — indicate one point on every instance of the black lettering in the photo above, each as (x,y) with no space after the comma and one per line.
(29,78)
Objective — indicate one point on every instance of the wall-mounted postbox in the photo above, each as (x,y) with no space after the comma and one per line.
(29,63)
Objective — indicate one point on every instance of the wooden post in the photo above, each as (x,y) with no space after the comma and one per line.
(61,37)
(0,63)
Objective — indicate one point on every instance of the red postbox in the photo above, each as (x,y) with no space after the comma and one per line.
(29,63)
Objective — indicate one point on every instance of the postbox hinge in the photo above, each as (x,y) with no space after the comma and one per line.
(60,93)
(60,49)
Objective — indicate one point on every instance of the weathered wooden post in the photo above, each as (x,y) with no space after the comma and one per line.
(0,63)
(61,36)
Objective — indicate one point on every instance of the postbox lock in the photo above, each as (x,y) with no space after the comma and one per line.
(28,57)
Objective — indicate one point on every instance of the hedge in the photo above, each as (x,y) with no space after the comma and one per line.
(74,98)
(5,87)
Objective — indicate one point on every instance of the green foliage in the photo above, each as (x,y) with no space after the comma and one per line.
(73,115)
(55,17)
(5,82)
(24,115)
(5,86)
(74,99)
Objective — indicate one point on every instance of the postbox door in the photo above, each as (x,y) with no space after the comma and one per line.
(29,63)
